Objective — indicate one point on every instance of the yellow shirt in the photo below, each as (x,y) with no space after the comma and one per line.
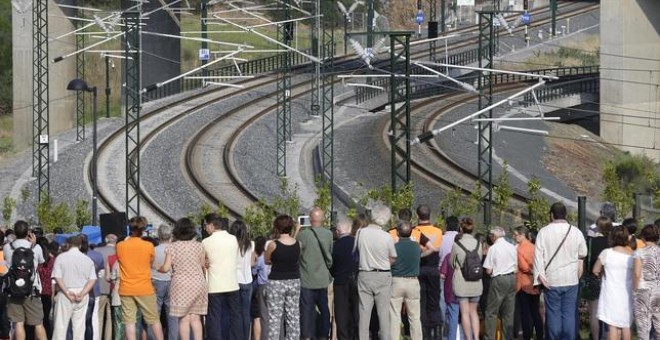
(221,249)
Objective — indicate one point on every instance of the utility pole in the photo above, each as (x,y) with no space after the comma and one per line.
(285,34)
(327,107)
(316,52)
(400,109)
(80,74)
(133,106)
(485,149)
(205,36)
(553,8)
(108,90)
(40,114)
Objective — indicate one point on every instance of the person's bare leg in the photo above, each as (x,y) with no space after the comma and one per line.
(613,333)
(626,333)
(196,325)
(40,332)
(130,331)
(474,314)
(157,328)
(464,306)
(256,328)
(19,331)
(184,327)
(593,319)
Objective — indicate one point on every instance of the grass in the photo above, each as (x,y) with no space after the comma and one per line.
(6,127)
(580,52)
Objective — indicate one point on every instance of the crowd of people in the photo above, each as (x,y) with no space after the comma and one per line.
(361,279)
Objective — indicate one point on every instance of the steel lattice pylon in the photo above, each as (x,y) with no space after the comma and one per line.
(133,97)
(432,18)
(485,150)
(40,150)
(400,108)
(327,159)
(316,51)
(205,35)
(285,34)
(80,74)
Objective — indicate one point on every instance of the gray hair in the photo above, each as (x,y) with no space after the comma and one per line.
(344,225)
(164,232)
(498,232)
(608,209)
(381,214)
(110,239)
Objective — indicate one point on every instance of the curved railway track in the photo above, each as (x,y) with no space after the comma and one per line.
(185,107)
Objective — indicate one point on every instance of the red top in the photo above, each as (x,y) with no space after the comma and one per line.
(45,271)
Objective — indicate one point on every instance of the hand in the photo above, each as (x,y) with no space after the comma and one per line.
(544,282)
(31,237)
(71,296)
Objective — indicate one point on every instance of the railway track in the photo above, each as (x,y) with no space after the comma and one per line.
(161,118)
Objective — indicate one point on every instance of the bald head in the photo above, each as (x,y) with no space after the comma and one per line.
(316,217)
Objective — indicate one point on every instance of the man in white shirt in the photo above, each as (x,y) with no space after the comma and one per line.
(75,275)
(222,321)
(559,251)
(501,263)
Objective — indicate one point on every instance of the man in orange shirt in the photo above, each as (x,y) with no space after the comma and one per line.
(135,288)
(430,239)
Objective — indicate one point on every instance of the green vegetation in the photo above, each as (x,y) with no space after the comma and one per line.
(563,57)
(629,174)
(8,206)
(82,214)
(51,215)
(454,203)
(537,207)
(502,192)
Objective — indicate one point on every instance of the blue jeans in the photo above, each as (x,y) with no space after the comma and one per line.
(309,300)
(223,316)
(245,293)
(560,313)
(163,301)
(452,321)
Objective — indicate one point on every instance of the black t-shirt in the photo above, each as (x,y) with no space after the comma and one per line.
(595,246)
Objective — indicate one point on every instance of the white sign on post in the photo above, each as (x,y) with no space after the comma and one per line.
(204,54)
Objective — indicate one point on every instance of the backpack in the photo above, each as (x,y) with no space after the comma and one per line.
(471,268)
(20,278)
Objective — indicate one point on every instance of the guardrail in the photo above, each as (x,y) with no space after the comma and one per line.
(246,68)
(562,89)
(425,87)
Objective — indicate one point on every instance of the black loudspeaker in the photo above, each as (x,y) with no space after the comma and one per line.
(114,223)
(433,29)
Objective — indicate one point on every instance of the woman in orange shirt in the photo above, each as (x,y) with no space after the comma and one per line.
(526,295)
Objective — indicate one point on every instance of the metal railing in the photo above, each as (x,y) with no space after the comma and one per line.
(246,68)
(587,84)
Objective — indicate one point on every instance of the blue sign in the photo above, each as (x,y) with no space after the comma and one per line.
(526,18)
(420,17)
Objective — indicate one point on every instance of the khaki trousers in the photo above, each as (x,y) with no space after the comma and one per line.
(67,311)
(105,317)
(405,289)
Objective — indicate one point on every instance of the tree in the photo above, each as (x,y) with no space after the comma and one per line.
(324,199)
(616,191)
(537,207)
(454,203)
(502,192)
(259,218)
(8,206)
(289,201)
(53,216)
(82,213)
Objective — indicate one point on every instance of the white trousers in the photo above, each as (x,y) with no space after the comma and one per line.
(67,311)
